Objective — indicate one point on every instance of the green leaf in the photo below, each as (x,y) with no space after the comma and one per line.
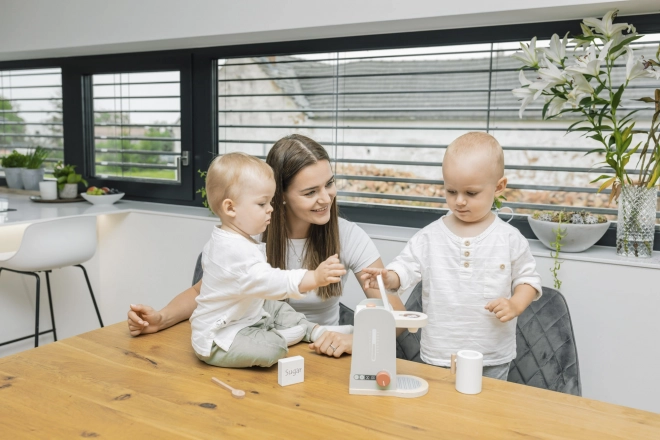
(623,43)
(603,176)
(616,99)
(597,150)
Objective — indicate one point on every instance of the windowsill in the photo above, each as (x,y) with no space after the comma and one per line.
(595,254)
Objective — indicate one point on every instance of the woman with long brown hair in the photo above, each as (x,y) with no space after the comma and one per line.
(305,229)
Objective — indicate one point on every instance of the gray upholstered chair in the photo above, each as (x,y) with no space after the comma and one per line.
(546,352)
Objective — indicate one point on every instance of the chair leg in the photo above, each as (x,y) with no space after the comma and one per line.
(91,292)
(36,311)
(50,303)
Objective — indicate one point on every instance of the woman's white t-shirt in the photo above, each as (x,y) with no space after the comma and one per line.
(357,251)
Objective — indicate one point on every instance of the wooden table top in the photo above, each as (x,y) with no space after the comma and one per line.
(106,384)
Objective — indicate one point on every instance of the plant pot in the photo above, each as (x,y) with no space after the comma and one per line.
(70,191)
(14,179)
(31,178)
(578,238)
(636,221)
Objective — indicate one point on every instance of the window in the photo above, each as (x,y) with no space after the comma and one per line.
(387,116)
(31,112)
(137,126)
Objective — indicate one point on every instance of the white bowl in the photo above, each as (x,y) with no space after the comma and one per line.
(107,199)
(578,237)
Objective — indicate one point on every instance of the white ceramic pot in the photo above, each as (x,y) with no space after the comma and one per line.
(70,191)
(14,179)
(578,237)
(31,178)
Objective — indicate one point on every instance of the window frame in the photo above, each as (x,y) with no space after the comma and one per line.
(198,69)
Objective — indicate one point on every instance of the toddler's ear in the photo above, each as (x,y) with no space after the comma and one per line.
(501,186)
(228,208)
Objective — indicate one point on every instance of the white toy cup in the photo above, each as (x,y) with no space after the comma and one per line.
(468,365)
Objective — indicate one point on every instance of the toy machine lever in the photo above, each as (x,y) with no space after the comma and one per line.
(403,319)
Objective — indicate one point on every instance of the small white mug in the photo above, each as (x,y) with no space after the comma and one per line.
(48,189)
(468,365)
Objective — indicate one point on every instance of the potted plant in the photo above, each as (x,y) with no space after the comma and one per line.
(583,84)
(576,231)
(67,180)
(33,173)
(567,232)
(13,164)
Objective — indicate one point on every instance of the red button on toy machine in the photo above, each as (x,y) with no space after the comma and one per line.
(383,378)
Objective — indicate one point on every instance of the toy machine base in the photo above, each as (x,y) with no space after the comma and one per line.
(409,387)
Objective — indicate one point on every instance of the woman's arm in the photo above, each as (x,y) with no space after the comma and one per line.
(144,319)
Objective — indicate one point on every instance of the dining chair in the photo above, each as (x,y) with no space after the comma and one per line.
(50,245)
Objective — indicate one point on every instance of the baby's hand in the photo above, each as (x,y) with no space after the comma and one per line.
(390,278)
(503,309)
(328,272)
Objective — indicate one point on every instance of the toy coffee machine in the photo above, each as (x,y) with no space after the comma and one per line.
(373,363)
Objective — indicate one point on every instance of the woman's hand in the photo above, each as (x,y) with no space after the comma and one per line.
(143,319)
(333,344)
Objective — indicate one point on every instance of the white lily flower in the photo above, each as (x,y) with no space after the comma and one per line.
(528,56)
(581,84)
(605,26)
(557,50)
(528,93)
(556,105)
(552,75)
(589,64)
(575,96)
(635,68)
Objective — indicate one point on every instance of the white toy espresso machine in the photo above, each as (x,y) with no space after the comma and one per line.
(373,363)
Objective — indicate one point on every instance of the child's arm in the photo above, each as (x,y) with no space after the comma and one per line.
(507,309)
(402,273)
(265,281)
(328,272)
(526,283)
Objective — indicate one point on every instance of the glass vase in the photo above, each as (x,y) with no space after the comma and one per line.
(636,221)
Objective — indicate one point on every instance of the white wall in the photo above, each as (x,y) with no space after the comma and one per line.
(45,28)
(149,258)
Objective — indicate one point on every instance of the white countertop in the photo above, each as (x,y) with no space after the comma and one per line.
(28,211)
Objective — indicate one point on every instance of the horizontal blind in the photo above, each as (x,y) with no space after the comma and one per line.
(137,126)
(387,116)
(31,112)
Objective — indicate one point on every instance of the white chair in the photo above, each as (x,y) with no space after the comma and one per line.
(52,245)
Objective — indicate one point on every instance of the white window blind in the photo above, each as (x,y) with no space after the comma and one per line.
(31,112)
(387,116)
(137,126)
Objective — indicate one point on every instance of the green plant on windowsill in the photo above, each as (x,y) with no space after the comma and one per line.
(35,159)
(13,160)
(66,174)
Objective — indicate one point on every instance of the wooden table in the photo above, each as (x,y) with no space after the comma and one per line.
(106,384)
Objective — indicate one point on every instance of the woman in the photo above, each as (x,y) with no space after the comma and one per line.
(305,229)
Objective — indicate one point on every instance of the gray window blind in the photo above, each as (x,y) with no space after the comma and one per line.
(31,112)
(387,116)
(137,126)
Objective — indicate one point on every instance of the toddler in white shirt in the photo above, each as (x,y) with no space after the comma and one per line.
(477,272)
(236,323)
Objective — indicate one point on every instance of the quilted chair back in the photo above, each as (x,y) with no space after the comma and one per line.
(546,352)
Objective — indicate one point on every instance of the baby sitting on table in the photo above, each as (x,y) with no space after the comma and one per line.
(238,322)
(470,262)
